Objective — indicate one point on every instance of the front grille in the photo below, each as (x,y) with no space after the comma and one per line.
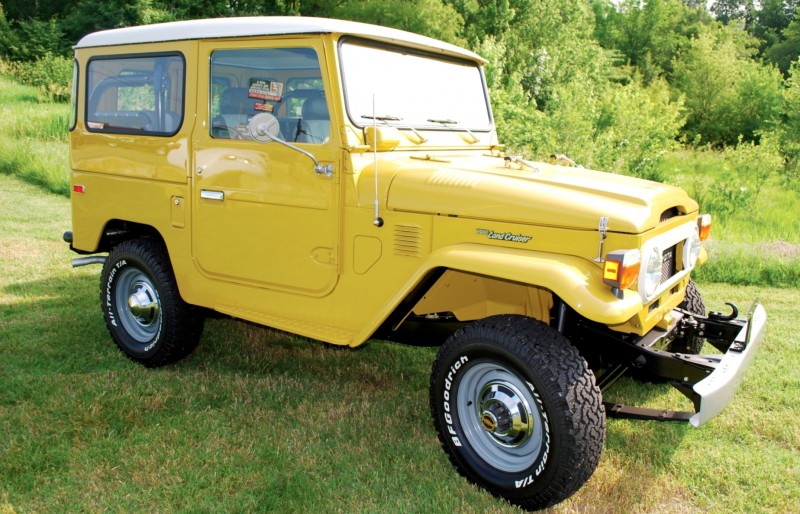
(668,264)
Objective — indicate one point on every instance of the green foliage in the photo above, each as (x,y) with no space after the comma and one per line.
(33,138)
(619,128)
(727,94)
(554,45)
(747,265)
(50,74)
(732,187)
(647,36)
(93,15)
(789,130)
(786,51)
(428,17)
(727,11)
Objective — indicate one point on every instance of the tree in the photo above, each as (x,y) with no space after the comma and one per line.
(648,35)
(727,94)
(787,50)
(726,11)
(789,131)
(428,17)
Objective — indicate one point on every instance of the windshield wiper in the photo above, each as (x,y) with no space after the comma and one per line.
(456,122)
(389,117)
(386,117)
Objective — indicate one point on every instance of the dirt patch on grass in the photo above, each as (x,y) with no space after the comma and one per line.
(781,249)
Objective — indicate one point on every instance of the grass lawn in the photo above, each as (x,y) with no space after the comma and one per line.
(257,420)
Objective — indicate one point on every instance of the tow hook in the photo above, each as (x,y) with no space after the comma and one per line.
(718,316)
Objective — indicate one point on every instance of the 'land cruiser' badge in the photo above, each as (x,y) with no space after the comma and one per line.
(504,236)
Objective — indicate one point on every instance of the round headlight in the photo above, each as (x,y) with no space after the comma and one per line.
(652,274)
(694,245)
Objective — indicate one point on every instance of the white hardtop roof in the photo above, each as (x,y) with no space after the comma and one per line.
(265,26)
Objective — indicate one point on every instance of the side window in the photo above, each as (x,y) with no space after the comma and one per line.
(135,94)
(286,82)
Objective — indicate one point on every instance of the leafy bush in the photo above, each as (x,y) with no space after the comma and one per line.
(727,93)
(50,74)
(732,187)
(789,131)
(618,128)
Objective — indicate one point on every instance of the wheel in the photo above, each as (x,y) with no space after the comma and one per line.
(692,302)
(143,310)
(517,410)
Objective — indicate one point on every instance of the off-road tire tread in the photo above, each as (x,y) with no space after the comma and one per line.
(183,323)
(693,302)
(565,380)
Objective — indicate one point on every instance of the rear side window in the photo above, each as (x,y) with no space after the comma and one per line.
(140,94)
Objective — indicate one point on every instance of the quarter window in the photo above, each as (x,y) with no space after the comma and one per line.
(135,94)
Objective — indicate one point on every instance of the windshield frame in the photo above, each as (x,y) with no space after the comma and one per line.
(363,121)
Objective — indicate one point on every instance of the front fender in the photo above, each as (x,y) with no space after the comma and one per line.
(577,281)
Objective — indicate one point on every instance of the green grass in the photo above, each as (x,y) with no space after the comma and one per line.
(766,211)
(257,420)
(756,234)
(33,138)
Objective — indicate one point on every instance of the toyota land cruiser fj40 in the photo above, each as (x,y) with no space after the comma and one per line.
(344,181)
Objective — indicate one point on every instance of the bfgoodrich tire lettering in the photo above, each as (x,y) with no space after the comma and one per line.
(517,410)
(142,307)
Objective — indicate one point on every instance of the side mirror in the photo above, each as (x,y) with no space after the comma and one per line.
(264,127)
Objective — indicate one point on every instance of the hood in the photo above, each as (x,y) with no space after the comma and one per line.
(550,195)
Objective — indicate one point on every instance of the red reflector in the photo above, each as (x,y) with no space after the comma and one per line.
(79,189)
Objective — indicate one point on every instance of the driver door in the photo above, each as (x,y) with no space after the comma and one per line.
(261,215)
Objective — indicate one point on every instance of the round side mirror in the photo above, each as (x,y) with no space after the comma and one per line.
(264,127)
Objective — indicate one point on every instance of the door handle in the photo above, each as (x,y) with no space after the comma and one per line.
(212,195)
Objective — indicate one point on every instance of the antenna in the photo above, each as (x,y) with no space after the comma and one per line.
(378,221)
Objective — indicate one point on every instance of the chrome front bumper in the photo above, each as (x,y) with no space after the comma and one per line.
(709,381)
(716,390)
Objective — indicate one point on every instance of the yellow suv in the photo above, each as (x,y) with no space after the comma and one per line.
(344,181)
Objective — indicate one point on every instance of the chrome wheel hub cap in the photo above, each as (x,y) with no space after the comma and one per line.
(501,417)
(505,414)
(143,303)
(138,306)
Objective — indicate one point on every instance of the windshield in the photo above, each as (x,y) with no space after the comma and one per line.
(412,89)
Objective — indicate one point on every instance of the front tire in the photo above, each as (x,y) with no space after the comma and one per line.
(693,302)
(143,310)
(517,410)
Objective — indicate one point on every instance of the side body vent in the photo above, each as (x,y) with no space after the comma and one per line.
(408,240)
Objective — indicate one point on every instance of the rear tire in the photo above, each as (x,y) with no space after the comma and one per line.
(143,310)
(517,410)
